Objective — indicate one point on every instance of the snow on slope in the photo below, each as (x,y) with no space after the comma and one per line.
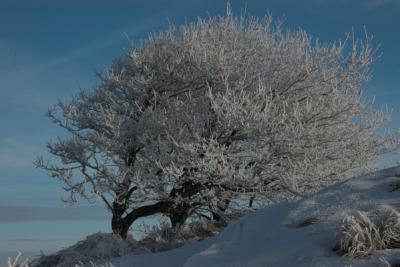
(273,236)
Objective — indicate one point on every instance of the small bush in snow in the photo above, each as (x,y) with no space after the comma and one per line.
(359,236)
(163,237)
(15,262)
(391,230)
(96,247)
(384,262)
(368,232)
(102,247)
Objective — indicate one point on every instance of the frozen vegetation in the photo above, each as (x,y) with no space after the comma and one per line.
(221,109)
(204,120)
(353,223)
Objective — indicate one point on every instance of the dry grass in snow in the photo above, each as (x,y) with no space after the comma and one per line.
(101,247)
(365,233)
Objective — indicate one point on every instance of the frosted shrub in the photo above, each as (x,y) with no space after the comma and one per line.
(365,233)
(101,247)
(15,262)
(163,237)
(96,247)
(359,236)
(391,229)
(224,108)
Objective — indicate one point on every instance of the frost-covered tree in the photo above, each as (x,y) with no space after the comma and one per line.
(226,107)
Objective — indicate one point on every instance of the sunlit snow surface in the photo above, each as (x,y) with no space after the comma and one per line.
(269,237)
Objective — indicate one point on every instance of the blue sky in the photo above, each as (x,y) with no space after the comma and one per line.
(51,49)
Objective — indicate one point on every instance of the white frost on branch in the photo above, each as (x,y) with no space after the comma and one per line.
(225,107)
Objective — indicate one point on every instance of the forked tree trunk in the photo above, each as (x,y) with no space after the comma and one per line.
(221,209)
(179,215)
(120,226)
(122,219)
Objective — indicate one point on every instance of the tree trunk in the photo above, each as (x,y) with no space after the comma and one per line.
(120,226)
(179,215)
(222,207)
(120,223)
(251,201)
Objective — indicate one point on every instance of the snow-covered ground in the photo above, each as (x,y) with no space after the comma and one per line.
(281,235)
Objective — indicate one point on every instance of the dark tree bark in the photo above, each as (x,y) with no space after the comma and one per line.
(123,217)
(220,209)
(120,224)
(179,214)
(251,201)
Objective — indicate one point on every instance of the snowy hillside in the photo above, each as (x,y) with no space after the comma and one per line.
(296,234)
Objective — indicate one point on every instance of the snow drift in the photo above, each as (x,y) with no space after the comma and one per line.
(304,233)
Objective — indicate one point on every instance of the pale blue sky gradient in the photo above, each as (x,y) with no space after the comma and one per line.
(51,49)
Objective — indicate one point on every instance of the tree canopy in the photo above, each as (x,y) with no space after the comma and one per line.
(201,115)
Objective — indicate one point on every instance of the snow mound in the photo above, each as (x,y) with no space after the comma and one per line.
(99,246)
(304,233)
